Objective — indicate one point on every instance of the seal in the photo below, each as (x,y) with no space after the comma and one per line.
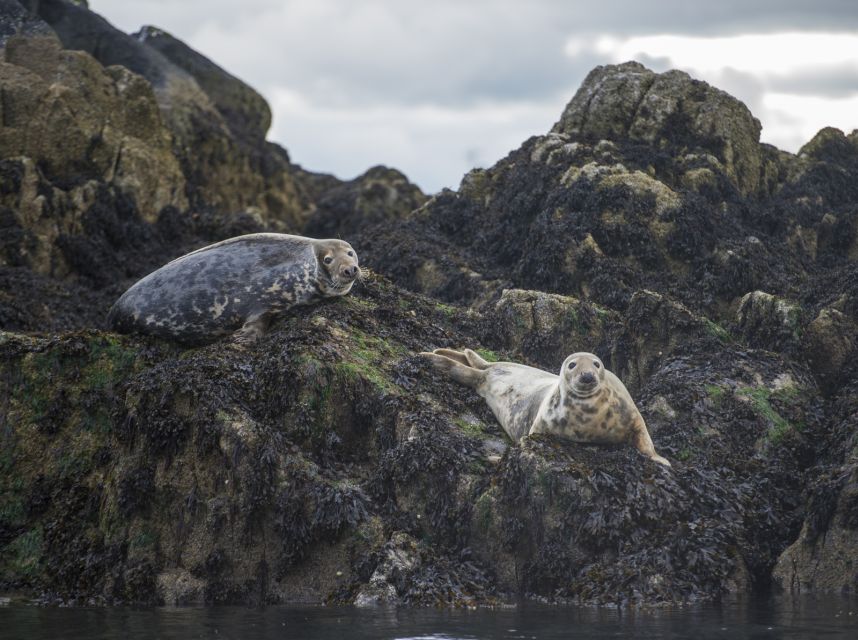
(236,286)
(585,403)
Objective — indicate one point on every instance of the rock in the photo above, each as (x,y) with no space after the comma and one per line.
(630,102)
(831,145)
(225,171)
(16,19)
(769,322)
(111,133)
(655,328)
(177,587)
(548,327)
(828,344)
(245,111)
(378,197)
(824,561)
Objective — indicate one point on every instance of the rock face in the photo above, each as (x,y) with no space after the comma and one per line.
(667,111)
(115,152)
(328,463)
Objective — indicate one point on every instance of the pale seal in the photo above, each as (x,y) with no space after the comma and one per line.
(235,286)
(585,403)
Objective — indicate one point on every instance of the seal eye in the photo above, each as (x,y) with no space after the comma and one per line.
(328,259)
(572,365)
(596,364)
(350,253)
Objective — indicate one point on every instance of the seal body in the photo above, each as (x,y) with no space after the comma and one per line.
(585,402)
(235,286)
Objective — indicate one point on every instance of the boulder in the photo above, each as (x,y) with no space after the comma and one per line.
(548,327)
(828,345)
(768,321)
(630,102)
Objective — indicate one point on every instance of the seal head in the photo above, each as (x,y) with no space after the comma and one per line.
(337,267)
(583,374)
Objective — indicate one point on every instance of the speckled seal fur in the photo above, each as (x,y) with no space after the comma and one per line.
(585,403)
(235,286)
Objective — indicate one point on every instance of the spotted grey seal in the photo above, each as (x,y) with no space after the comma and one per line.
(585,403)
(235,286)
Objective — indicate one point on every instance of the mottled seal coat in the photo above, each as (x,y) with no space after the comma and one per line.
(585,403)
(235,286)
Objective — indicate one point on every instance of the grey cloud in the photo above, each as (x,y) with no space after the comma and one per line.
(828,82)
(449,53)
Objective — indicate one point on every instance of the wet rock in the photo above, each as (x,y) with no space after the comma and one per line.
(769,322)
(178,587)
(828,344)
(824,561)
(655,328)
(548,327)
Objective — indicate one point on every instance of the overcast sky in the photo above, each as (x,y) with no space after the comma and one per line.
(435,88)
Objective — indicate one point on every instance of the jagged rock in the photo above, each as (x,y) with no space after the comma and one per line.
(831,145)
(828,344)
(227,172)
(548,327)
(655,328)
(69,127)
(178,587)
(245,111)
(826,561)
(379,196)
(769,322)
(630,102)
(15,19)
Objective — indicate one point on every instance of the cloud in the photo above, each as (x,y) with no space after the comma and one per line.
(433,87)
(795,82)
(433,145)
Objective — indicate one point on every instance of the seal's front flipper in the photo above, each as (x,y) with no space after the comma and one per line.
(643,443)
(455,369)
(252,329)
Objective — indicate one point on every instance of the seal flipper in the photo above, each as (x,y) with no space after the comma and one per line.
(461,373)
(643,443)
(475,360)
(458,356)
(253,328)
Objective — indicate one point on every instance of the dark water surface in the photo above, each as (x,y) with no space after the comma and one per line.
(793,618)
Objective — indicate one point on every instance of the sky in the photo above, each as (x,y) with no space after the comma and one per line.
(437,88)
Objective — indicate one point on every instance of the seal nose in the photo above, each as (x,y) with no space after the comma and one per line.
(349,272)
(588,378)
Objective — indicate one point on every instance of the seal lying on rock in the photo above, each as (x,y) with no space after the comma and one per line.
(235,286)
(585,403)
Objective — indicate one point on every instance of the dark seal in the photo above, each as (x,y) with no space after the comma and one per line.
(235,286)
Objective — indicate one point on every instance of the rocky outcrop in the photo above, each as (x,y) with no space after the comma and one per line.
(227,164)
(671,110)
(115,152)
(548,327)
(245,111)
(378,197)
(328,463)
(769,322)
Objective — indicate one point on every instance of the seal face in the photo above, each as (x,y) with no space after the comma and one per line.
(235,286)
(585,402)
